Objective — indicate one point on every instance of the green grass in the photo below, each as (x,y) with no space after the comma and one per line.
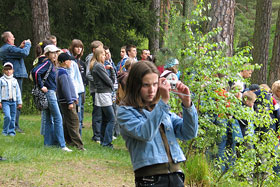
(30,163)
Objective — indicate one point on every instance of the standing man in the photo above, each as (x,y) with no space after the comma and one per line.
(109,61)
(11,53)
(123,55)
(131,52)
(145,54)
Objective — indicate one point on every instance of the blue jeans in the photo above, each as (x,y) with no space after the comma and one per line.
(108,122)
(53,128)
(96,120)
(236,134)
(80,112)
(19,80)
(9,109)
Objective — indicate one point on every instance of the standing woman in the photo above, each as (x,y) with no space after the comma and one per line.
(77,74)
(150,129)
(53,134)
(103,96)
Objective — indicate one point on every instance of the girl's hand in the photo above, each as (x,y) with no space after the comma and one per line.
(186,94)
(108,67)
(164,88)
(44,89)
(70,107)
(19,106)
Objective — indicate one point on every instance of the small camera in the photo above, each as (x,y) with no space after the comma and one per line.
(173,84)
(172,79)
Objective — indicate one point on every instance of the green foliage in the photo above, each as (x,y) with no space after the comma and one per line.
(207,70)
(197,170)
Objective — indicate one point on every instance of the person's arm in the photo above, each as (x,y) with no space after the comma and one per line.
(40,73)
(17,52)
(63,81)
(186,128)
(135,125)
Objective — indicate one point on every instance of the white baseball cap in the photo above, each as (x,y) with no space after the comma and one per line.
(51,48)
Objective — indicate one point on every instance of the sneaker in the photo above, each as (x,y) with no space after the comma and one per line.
(19,130)
(111,146)
(114,137)
(66,149)
(4,134)
(12,134)
(2,158)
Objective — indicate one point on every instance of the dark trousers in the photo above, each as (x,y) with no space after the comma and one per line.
(71,126)
(96,120)
(19,80)
(165,180)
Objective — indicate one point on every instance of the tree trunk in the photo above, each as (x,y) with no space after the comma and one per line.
(154,37)
(40,18)
(261,40)
(222,15)
(164,19)
(275,61)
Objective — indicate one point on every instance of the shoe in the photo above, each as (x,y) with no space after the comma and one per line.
(114,137)
(82,149)
(4,134)
(111,146)
(12,134)
(66,149)
(19,130)
(2,158)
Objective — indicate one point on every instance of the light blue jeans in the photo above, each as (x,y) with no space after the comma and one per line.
(9,109)
(53,134)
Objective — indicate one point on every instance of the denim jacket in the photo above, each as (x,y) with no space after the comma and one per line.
(4,92)
(15,55)
(140,130)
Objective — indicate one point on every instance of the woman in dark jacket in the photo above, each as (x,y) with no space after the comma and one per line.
(103,96)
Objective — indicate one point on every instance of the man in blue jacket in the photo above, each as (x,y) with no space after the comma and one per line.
(11,53)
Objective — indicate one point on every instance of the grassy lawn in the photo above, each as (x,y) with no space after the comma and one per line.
(30,163)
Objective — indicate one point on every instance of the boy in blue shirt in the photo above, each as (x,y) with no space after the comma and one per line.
(67,99)
(10,99)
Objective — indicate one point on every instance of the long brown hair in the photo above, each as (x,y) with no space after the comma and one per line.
(134,84)
(76,43)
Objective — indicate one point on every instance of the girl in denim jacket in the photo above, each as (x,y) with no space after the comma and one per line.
(150,129)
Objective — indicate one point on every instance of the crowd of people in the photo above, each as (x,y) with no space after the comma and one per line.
(129,98)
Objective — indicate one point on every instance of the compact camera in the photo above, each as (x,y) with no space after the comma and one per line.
(172,79)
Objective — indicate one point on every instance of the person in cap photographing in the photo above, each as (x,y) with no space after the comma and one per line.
(10,99)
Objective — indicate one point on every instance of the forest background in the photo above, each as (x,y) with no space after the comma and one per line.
(143,23)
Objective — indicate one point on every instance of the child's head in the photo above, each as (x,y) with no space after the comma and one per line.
(64,60)
(8,69)
(249,98)
(129,63)
(265,87)
(172,65)
(237,88)
(276,88)
(142,85)
(99,55)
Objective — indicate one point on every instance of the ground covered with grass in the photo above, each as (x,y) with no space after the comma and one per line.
(30,163)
